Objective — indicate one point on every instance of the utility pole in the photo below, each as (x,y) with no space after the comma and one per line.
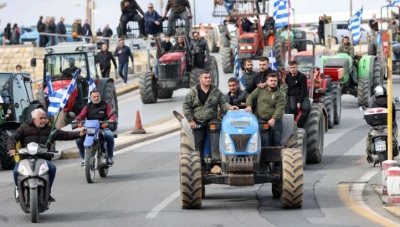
(194,12)
(351,15)
(160,2)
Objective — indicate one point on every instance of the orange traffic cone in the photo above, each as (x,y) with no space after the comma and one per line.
(138,125)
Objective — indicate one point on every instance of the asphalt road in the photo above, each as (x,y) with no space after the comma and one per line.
(142,187)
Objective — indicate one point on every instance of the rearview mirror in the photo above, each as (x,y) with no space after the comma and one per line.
(33,62)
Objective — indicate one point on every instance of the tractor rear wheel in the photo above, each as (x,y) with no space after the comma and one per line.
(110,96)
(315,135)
(376,74)
(227,60)
(212,66)
(266,51)
(302,144)
(302,46)
(7,161)
(328,103)
(148,88)
(364,92)
(191,180)
(165,93)
(279,49)
(292,178)
(372,49)
(292,142)
(337,101)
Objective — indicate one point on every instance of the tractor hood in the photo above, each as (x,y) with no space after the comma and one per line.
(172,57)
(59,84)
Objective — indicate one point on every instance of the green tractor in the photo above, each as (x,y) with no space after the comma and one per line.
(340,68)
(294,34)
(16,105)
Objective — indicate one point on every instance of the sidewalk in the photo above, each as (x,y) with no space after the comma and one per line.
(378,189)
(126,139)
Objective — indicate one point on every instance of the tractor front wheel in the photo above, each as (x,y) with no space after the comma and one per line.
(110,96)
(315,135)
(191,180)
(227,60)
(7,161)
(328,103)
(148,88)
(292,178)
(337,101)
(364,92)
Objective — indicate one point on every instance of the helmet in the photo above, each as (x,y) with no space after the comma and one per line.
(380,91)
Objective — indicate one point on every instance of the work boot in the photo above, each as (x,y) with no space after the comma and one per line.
(110,162)
(51,199)
(369,159)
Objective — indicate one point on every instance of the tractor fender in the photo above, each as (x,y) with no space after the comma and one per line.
(101,84)
(325,114)
(366,67)
(188,131)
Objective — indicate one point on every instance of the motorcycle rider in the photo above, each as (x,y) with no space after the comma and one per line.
(347,48)
(38,130)
(199,48)
(248,72)
(97,110)
(381,101)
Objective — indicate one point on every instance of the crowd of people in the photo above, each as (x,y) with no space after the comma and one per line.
(11,35)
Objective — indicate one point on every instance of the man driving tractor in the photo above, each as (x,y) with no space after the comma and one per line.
(72,68)
(347,48)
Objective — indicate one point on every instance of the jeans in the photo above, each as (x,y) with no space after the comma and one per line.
(132,17)
(305,107)
(228,4)
(276,135)
(152,28)
(52,173)
(123,66)
(108,136)
(173,17)
(156,70)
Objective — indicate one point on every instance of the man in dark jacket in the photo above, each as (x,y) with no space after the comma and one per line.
(246,24)
(180,45)
(130,10)
(236,96)
(321,29)
(104,57)
(297,93)
(107,33)
(41,28)
(166,45)
(152,21)
(199,48)
(260,80)
(87,31)
(38,131)
(119,31)
(60,29)
(268,27)
(248,72)
(124,53)
(178,10)
(97,110)
(7,34)
(52,29)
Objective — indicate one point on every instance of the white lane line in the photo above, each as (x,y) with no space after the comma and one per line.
(154,212)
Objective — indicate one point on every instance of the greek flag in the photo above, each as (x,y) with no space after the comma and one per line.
(59,98)
(50,89)
(92,87)
(272,61)
(281,13)
(355,26)
(237,69)
(392,2)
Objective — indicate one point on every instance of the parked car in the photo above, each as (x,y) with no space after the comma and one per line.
(23,31)
(339,30)
(33,36)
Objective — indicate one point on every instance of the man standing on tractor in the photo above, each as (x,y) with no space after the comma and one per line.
(261,78)
(246,24)
(270,102)
(201,106)
(297,93)
(248,72)
(178,10)
(199,48)
(374,25)
(104,57)
(97,110)
(124,53)
(268,27)
(130,10)
(347,48)
(38,131)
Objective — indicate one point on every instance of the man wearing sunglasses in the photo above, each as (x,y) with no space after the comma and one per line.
(152,22)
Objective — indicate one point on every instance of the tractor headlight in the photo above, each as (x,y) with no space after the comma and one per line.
(22,170)
(91,131)
(249,47)
(44,168)
(32,148)
(242,47)
(253,145)
(227,144)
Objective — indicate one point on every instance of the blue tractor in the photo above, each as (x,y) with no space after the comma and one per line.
(233,156)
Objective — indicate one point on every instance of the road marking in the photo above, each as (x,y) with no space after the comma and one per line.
(130,99)
(353,200)
(154,212)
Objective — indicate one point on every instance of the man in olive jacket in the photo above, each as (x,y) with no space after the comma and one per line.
(270,102)
(201,106)
(38,130)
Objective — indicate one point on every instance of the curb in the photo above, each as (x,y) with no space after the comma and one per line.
(127,89)
(73,153)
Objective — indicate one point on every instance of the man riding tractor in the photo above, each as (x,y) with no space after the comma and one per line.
(178,10)
(347,48)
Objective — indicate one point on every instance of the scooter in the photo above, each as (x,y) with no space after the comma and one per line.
(95,146)
(33,183)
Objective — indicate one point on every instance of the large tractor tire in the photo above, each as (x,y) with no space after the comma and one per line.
(212,41)
(292,178)
(212,66)
(292,142)
(165,93)
(7,161)
(328,103)
(191,180)
(194,76)
(315,135)
(337,101)
(266,51)
(227,60)
(364,92)
(110,96)
(377,74)
(302,46)
(148,88)
(302,144)
(279,50)
(372,49)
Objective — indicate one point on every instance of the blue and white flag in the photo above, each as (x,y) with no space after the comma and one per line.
(236,73)
(59,98)
(392,2)
(355,26)
(272,61)
(281,13)
(50,89)
(92,87)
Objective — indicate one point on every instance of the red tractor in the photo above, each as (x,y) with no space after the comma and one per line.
(175,71)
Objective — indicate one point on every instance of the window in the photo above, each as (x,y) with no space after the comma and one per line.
(246,40)
(5,87)
(342,26)
(63,66)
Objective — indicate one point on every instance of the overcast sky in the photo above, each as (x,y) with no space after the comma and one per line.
(27,12)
